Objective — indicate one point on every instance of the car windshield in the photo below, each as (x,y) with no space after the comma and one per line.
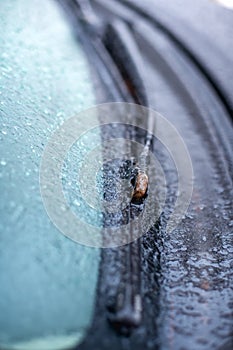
(47,281)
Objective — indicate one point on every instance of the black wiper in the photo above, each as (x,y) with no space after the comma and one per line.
(115,46)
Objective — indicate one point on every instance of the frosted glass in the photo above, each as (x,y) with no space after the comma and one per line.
(47,282)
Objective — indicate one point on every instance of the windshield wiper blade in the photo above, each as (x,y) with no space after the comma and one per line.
(115,45)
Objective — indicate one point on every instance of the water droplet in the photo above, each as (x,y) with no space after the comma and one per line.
(76,203)
(4,132)
(63,207)
(3,162)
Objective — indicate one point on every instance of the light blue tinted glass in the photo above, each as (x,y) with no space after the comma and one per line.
(47,282)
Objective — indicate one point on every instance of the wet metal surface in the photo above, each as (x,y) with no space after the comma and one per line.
(187,275)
